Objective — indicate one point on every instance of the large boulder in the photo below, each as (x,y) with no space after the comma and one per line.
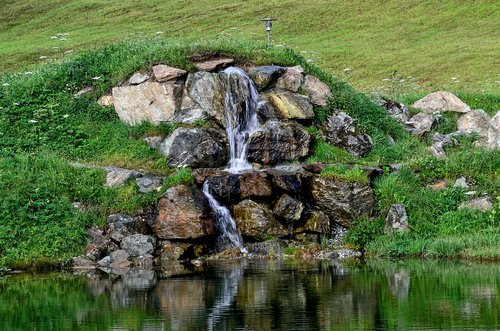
(277,142)
(420,123)
(265,76)
(441,102)
(138,245)
(228,188)
(257,223)
(341,131)
(341,201)
(288,208)
(292,79)
(475,121)
(183,213)
(147,102)
(290,105)
(195,148)
(207,91)
(318,91)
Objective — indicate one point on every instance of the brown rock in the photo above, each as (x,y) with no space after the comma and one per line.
(290,105)
(318,91)
(105,100)
(173,250)
(288,208)
(292,79)
(256,222)
(163,72)
(315,221)
(214,64)
(183,214)
(438,185)
(441,102)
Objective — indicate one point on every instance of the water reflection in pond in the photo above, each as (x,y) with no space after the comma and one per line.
(259,295)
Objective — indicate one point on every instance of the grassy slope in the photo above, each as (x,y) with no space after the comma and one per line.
(431,41)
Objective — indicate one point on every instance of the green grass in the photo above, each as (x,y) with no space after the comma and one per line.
(425,44)
(346,174)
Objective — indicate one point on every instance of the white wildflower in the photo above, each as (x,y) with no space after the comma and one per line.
(53,37)
(43,57)
(33,121)
(66,115)
(159,32)
(96,77)
(69,51)
(15,104)
(5,84)
(347,69)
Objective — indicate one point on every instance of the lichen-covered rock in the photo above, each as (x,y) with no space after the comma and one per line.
(183,214)
(138,245)
(292,79)
(265,76)
(441,102)
(163,72)
(396,220)
(315,221)
(396,110)
(257,223)
(341,131)
(147,102)
(288,208)
(149,183)
(173,250)
(228,187)
(278,142)
(481,204)
(290,105)
(207,91)
(195,148)
(318,91)
(420,124)
(341,201)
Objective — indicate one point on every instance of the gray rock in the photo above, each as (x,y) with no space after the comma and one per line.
(396,220)
(183,213)
(122,225)
(79,262)
(119,259)
(288,208)
(397,110)
(116,177)
(163,72)
(481,204)
(341,131)
(257,223)
(195,148)
(277,142)
(493,139)
(154,141)
(138,245)
(98,246)
(318,91)
(420,124)
(440,141)
(148,102)
(475,121)
(441,102)
(461,182)
(342,202)
(290,105)
(144,262)
(207,92)
(138,78)
(149,183)
(190,112)
(265,76)
(292,79)
(104,262)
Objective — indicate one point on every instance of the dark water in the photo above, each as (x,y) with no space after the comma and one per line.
(260,295)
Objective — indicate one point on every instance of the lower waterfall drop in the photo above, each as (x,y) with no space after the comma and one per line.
(241,102)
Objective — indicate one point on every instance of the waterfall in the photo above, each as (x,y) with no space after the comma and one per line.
(241,101)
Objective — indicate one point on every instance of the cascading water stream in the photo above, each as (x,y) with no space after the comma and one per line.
(241,101)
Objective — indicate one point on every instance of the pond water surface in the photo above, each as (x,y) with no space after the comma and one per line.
(259,295)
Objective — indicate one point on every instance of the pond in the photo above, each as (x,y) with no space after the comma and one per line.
(259,295)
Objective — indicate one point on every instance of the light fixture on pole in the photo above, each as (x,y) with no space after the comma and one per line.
(269,23)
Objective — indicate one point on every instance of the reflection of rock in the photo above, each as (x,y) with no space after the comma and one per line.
(399,283)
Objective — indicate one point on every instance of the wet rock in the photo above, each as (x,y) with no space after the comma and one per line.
(118,176)
(265,76)
(149,183)
(341,131)
(189,112)
(228,187)
(105,100)
(148,102)
(441,102)
(481,204)
(396,220)
(397,110)
(255,222)
(119,259)
(173,250)
(79,262)
(475,121)
(278,142)
(344,254)
(154,141)
(195,148)
(163,72)
(461,182)
(420,124)
(290,105)
(269,248)
(288,208)
(122,225)
(292,79)
(183,214)
(318,91)
(315,221)
(207,91)
(266,112)
(138,78)
(342,202)
(288,181)
(214,64)
(138,245)
(254,184)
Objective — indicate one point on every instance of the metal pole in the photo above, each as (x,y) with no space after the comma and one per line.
(269,23)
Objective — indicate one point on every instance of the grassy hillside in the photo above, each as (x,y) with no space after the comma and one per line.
(396,45)
(43,128)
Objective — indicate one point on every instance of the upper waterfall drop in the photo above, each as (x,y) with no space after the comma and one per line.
(241,102)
